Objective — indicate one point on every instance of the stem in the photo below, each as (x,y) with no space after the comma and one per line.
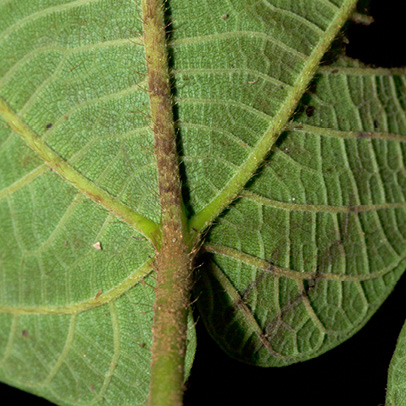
(172,293)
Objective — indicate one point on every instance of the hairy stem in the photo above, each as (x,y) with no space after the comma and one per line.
(173,264)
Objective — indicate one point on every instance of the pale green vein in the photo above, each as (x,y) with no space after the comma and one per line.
(94,101)
(97,301)
(116,355)
(24,181)
(62,357)
(58,226)
(289,273)
(311,312)
(294,16)
(208,157)
(226,104)
(43,13)
(10,340)
(361,71)
(33,97)
(137,87)
(239,34)
(330,132)
(209,128)
(246,313)
(318,208)
(5,144)
(80,154)
(229,72)
(330,4)
(396,101)
(13,217)
(292,161)
(66,52)
(364,298)
(28,58)
(4,3)
(205,217)
(59,165)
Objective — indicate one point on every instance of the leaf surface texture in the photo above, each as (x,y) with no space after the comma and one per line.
(396,390)
(316,241)
(77,168)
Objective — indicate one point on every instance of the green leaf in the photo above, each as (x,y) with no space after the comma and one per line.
(295,266)
(396,391)
(239,77)
(316,242)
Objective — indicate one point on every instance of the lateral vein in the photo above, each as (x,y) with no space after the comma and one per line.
(205,217)
(318,208)
(290,273)
(25,180)
(57,164)
(86,305)
(331,132)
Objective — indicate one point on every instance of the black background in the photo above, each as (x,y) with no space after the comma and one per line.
(354,373)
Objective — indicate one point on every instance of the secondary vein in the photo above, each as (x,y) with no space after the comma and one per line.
(57,164)
(319,208)
(86,305)
(205,217)
(291,273)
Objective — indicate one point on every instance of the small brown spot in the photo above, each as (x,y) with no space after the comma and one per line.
(376,124)
(363,134)
(65,242)
(99,292)
(251,82)
(224,17)
(74,67)
(310,111)
(48,126)
(24,333)
(92,388)
(334,71)
(281,87)
(298,127)
(97,245)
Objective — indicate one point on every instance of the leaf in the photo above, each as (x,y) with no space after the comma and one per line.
(79,317)
(316,242)
(396,391)
(73,98)
(237,88)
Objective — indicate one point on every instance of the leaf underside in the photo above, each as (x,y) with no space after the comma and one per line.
(295,266)
(316,242)
(396,390)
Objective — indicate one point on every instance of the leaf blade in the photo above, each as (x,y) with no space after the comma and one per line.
(314,245)
(63,168)
(308,59)
(396,389)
